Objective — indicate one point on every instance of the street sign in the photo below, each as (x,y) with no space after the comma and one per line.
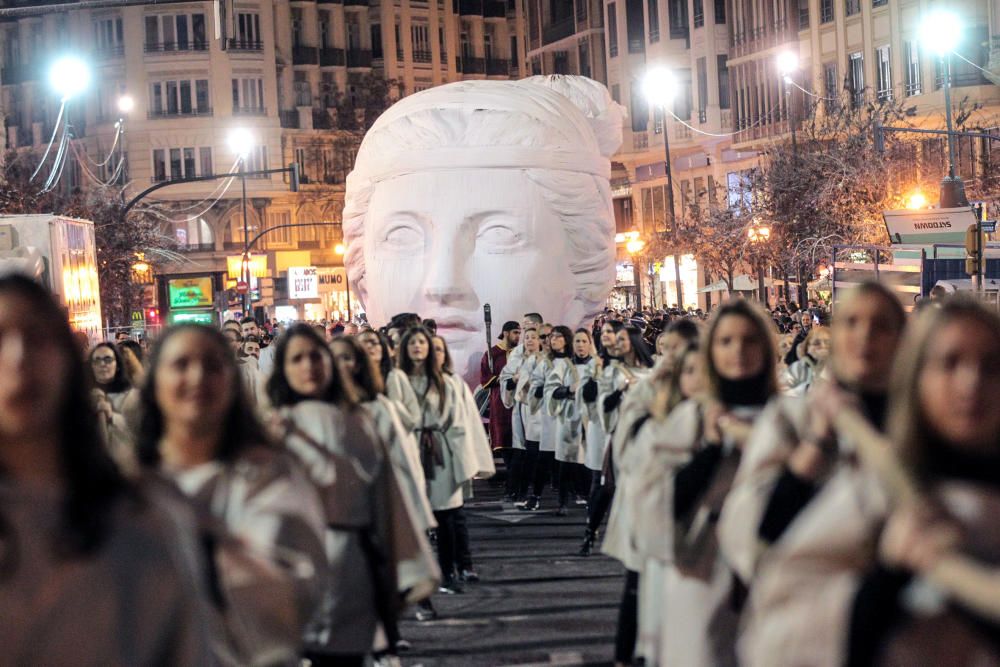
(138,318)
(990,226)
(242,287)
(938,225)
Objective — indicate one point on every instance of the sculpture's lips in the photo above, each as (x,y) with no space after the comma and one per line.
(453,324)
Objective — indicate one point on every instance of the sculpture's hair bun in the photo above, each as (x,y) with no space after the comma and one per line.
(592,98)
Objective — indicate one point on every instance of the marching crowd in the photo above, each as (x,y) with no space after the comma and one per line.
(259,497)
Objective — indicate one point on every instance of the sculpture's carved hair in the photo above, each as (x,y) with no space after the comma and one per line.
(582,201)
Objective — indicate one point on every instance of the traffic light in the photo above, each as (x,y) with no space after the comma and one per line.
(293,181)
(152,316)
(973,248)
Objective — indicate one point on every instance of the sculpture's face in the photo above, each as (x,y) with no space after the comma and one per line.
(444,243)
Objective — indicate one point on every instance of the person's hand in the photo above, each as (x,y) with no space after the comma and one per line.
(827,400)
(808,460)
(714,412)
(914,538)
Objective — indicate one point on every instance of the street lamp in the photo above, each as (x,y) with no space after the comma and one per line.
(788,66)
(659,87)
(69,76)
(941,32)
(916,201)
(125,105)
(241,142)
(340,249)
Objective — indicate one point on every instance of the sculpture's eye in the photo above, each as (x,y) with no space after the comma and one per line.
(496,237)
(402,236)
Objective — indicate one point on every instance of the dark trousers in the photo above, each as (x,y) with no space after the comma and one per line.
(463,553)
(338,660)
(628,619)
(513,460)
(598,502)
(447,540)
(536,468)
(573,478)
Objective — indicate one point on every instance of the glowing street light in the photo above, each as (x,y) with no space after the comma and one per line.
(240,141)
(941,32)
(917,200)
(788,64)
(659,86)
(635,246)
(759,233)
(340,249)
(69,76)
(126,104)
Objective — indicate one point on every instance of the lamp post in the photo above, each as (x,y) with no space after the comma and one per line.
(634,246)
(757,234)
(341,250)
(241,141)
(788,65)
(125,106)
(69,76)
(941,32)
(659,86)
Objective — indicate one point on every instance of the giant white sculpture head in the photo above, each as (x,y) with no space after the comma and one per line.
(486,192)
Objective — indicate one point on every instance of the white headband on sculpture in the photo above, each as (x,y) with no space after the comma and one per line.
(575,147)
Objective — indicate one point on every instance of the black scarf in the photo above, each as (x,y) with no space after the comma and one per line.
(945,461)
(751,391)
(580,360)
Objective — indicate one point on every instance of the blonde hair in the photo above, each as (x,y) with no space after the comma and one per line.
(908,428)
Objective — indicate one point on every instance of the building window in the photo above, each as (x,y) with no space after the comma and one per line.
(653,8)
(699,13)
(175,98)
(612,30)
(175,163)
(297,27)
(677,11)
(883,73)
(702,72)
(658,120)
(682,100)
(109,37)
(913,83)
(159,165)
(420,42)
(720,12)
(616,93)
(205,160)
(722,64)
(825,11)
(256,159)
(248,35)
(583,57)
(635,25)
(803,14)
(376,37)
(831,88)
(639,109)
(852,7)
(654,208)
(248,96)
(880,3)
(303,91)
(300,159)
(176,32)
(857,80)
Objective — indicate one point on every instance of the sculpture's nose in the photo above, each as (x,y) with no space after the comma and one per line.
(446,281)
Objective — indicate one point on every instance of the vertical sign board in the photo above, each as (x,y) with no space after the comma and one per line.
(303,282)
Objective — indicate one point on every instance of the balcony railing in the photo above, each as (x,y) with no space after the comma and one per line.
(239,44)
(109,52)
(498,67)
(359,58)
(421,56)
(640,140)
(305,55)
(331,57)
(175,47)
(18,74)
(471,65)
(636,45)
(249,111)
(154,114)
(195,247)
(558,30)
(289,119)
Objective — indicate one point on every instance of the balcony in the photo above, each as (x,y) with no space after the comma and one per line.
(109,52)
(18,74)
(471,65)
(558,30)
(640,141)
(196,247)
(289,119)
(175,47)
(498,67)
(305,55)
(470,7)
(248,45)
(359,58)
(419,56)
(249,111)
(356,3)
(331,58)
(158,114)
(495,9)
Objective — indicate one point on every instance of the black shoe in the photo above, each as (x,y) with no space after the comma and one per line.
(451,586)
(562,511)
(531,505)
(588,543)
(426,611)
(469,575)
(403,645)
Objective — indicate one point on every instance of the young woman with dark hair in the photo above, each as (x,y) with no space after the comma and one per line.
(677,473)
(91,570)
(557,342)
(561,385)
(377,347)
(266,521)
(448,462)
(115,400)
(526,427)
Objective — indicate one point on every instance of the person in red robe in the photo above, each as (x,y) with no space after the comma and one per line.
(500,416)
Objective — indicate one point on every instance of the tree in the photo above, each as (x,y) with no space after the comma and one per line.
(718,238)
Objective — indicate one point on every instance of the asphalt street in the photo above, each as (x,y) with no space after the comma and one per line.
(538,603)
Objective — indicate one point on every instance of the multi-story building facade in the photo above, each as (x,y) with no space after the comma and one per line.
(302,76)
(567,37)
(732,99)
